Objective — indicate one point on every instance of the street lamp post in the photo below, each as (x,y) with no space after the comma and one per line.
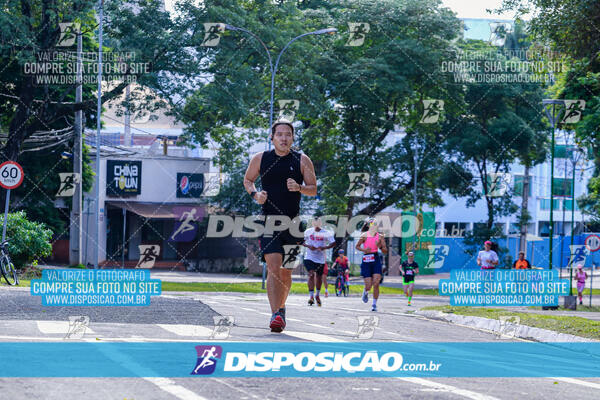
(574,164)
(273,70)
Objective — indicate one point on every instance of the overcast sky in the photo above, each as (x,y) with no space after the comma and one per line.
(475,8)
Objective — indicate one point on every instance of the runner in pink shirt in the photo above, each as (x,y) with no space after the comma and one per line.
(580,277)
(369,243)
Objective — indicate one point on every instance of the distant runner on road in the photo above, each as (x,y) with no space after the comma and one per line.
(282,172)
(487,259)
(369,243)
(410,269)
(316,241)
(580,277)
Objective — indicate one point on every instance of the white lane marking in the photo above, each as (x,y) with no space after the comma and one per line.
(256,311)
(579,382)
(56,327)
(424,382)
(449,389)
(171,387)
(313,337)
(236,388)
(186,330)
(149,375)
(315,325)
(102,339)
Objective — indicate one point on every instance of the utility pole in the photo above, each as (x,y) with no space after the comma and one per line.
(127,141)
(415,159)
(524,210)
(550,107)
(75,228)
(98,127)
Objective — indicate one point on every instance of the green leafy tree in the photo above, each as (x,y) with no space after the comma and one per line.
(570,28)
(501,122)
(353,99)
(31,111)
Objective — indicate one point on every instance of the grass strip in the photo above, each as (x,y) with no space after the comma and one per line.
(572,325)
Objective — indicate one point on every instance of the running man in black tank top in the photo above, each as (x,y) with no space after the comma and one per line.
(282,172)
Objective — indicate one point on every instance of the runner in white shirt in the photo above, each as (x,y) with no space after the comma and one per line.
(487,259)
(316,241)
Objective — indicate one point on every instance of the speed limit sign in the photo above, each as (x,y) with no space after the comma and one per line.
(592,242)
(11,175)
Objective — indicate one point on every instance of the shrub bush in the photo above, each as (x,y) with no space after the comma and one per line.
(28,241)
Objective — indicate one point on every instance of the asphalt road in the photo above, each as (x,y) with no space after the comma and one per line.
(189,317)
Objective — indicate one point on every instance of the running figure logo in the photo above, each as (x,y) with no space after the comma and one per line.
(212,184)
(498,32)
(287,109)
(68,33)
(212,34)
(509,325)
(207,359)
(358,183)
(148,255)
(77,326)
(366,326)
(67,184)
(223,324)
(432,109)
(185,225)
(498,184)
(437,255)
(358,33)
(573,110)
(291,257)
(578,254)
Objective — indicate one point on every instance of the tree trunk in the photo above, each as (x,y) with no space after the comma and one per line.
(524,211)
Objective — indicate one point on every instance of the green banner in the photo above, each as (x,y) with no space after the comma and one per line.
(423,240)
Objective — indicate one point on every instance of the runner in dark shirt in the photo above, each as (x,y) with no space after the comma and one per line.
(282,172)
(409,269)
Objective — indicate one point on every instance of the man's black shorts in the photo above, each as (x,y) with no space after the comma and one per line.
(408,279)
(273,243)
(313,266)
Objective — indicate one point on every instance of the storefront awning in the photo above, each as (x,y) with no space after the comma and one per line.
(159,210)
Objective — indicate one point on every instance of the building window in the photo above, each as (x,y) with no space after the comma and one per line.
(563,187)
(568,205)
(513,228)
(545,204)
(455,229)
(544,229)
(563,151)
(518,185)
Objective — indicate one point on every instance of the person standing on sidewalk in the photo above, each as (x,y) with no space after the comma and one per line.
(316,241)
(521,262)
(487,259)
(282,173)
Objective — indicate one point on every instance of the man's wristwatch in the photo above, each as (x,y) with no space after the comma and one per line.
(252,194)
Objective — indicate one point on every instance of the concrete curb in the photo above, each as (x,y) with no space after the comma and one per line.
(508,331)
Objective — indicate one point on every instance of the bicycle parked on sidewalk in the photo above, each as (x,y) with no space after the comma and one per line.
(7,267)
